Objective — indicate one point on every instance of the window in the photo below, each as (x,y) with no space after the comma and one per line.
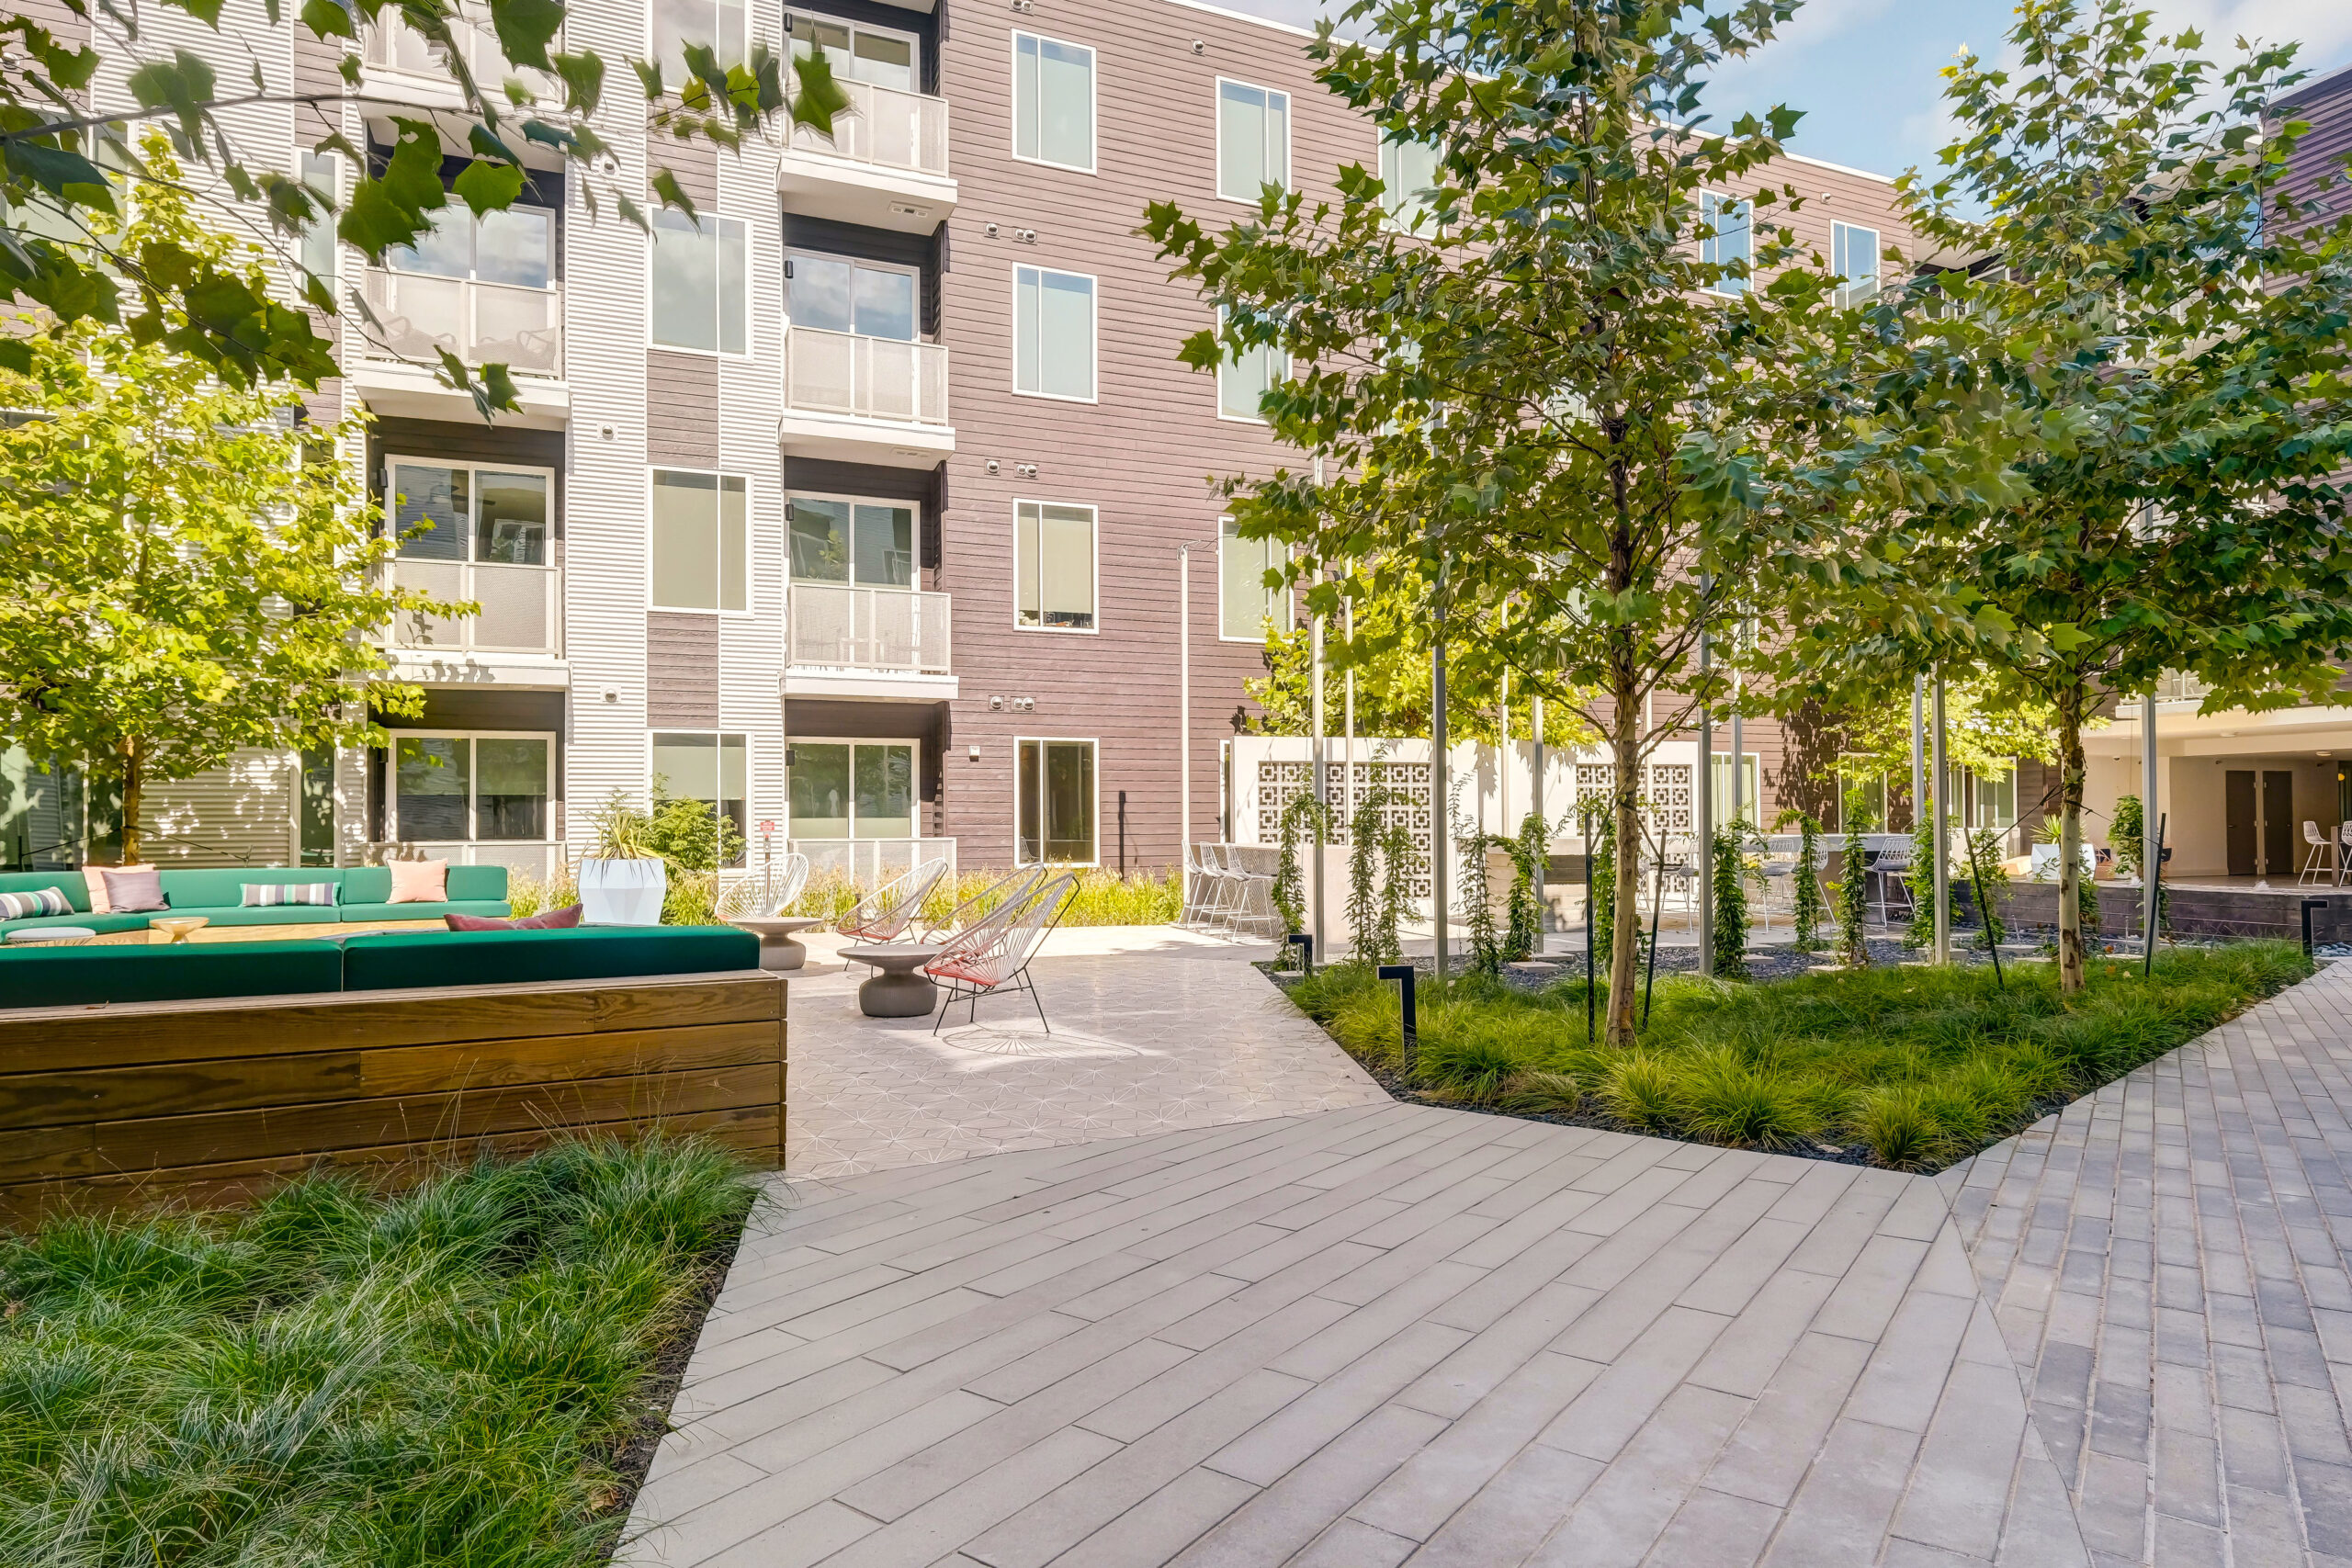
(1853,255)
(1861,797)
(843,789)
(857,51)
(1053,333)
(699,267)
(1719,782)
(1242,382)
(870,543)
(1244,605)
(699,541)
(835,294)
(322,174)
(1732,245)
(470,513)
(1407,170)
(470,788)
(1055,805)
(677,23)
(1252,140)
(1993,800)
(711,769)
(1053,565)
(516,247)
(1053,102)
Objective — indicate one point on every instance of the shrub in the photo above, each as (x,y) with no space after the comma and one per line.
(1899,1128)
(529,894)
(1639,1091)
(1726,1100)
(1729,865)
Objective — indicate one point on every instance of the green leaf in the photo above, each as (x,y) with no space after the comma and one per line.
(488,187)
(583,82)
(672,194)
(818,97)
(524,29)
(185,84)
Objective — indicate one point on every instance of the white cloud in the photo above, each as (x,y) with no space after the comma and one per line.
(2324,26)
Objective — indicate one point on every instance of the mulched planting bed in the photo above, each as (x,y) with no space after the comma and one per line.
(1904,1065)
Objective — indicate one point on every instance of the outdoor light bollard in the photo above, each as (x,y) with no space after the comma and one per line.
(1410,1040)
(1305,945)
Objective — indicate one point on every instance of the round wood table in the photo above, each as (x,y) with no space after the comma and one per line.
(778,949)
(51,936)
(895,990)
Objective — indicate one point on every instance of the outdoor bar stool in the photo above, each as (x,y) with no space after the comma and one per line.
(2319,858)
(1224,890)
(1890,867)
(2343,854)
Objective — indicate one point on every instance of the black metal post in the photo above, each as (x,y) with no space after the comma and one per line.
(1305,945)
(1657,907)
(1123,834)
(2148,937)
(1985,909)
(1409,1042)
(2309,905)
(1585,822)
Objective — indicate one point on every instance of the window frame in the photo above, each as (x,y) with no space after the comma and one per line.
(1290,602)
(1094,513)
(742,51)
(1217,105)
(392,459)
(1286,366)
(852,742)
(1752,778)
(749,608)
(1094,102)
(1880,784)
(807,253)
(1843,296)
(792,579)
(1393,202)
(1095,810)
(722,737)
(321,229)
(750,337)
(473,783)
(913,40)
(1094,332)
(1746,284)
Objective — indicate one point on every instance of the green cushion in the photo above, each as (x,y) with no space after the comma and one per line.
(99,923)
(394,960)
(78,976)
(425,911)
(464,884)
(271,914)
(73,884)
(365,884)
(205,889)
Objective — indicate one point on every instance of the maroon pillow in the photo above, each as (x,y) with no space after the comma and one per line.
(550,919)
(478,923)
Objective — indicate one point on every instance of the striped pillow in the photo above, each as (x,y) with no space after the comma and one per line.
(263,894)
(40,901)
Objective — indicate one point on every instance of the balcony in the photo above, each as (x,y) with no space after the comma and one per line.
(393,48)
(884,643)
(884,166)
(418,314)
(522,614)
(865,399)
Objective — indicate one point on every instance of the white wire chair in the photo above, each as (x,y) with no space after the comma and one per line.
(777,887)
(1013,888)
(996,951)
(886,913)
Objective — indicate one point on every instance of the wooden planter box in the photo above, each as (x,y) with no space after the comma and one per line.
(209,1101)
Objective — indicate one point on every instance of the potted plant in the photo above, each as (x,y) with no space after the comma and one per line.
(624,880)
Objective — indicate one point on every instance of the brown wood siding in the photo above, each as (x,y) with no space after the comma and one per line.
(681,671)
(680,409)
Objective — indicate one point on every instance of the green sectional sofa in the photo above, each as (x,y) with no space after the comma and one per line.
(216,893)
(364,961)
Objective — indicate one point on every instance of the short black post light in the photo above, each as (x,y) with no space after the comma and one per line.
(1305,945)
(1409,1042)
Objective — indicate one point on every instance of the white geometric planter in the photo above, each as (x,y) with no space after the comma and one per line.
(622,891)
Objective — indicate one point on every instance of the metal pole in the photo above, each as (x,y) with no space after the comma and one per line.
(2148,849)
(1440,827)
(1184,725)
(1738,758)
(1942,836)
(1322,793)
(1918,763)
(1705,847)
(1584,826)
(1535,809)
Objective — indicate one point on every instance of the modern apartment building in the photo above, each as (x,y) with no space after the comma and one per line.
(868,506)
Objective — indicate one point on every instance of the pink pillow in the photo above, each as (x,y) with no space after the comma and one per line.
(133,889)
(546,920)
(419,880)
(96,878)
(478,923)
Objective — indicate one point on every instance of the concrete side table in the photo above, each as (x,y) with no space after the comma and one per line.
(51,936)
(895,990)
(778,949)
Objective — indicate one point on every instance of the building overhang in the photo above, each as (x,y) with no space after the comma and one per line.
(2182,731)
(508,671)
(822,185)
(838,439)
(871,686)
(399,390)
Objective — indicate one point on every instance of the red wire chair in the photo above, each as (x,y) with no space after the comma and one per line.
(996,951)
(884,915)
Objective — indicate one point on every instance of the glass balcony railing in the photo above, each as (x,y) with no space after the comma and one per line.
(522,607)
(481,324)
(2178,687)
(865,378)
(886,127)
(392,45)
(896,630)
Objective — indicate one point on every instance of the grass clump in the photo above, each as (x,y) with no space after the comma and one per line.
(335,1378)
(1916,1067)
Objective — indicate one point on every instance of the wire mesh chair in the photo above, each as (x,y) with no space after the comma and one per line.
(885,914)
(1013,888)
(996,952)
(776,890)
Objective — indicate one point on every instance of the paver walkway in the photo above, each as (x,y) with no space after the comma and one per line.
(1383,1334)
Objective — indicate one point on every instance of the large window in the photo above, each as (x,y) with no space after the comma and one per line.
(458,788)
(1244,380)
(856,51)
(835,294)
(1731,245)
(869,543)
(1053,333)
(1719,781)
(466,513)
(1252,140)
(845,789)
(700,541)
(711,769)
(699,265)
(1853,255)
(1055,805)
(1244,605)
(1053,565)
(1407,170)
(722,23)
(1862,796)
(1993,800)
(1053,102)
(323,176)
(516,247)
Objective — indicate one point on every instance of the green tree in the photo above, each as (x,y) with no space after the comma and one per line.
(189,571)
(2164,369)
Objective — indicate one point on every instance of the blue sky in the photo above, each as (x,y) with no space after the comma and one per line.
(1864,72)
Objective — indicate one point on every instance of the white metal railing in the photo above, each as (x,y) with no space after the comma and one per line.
(885,126)
(865,378)
(521,607)
(2178,687)
(834,627)
(871,860)
(482,323)
(392,45)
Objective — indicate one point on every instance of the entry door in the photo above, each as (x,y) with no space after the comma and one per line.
(2278,827)
(2239,793)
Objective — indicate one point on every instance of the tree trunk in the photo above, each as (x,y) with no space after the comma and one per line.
(2070,977)
(132,779)
(1625,948)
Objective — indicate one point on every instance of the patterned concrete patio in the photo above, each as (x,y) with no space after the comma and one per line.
(1381,1334)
